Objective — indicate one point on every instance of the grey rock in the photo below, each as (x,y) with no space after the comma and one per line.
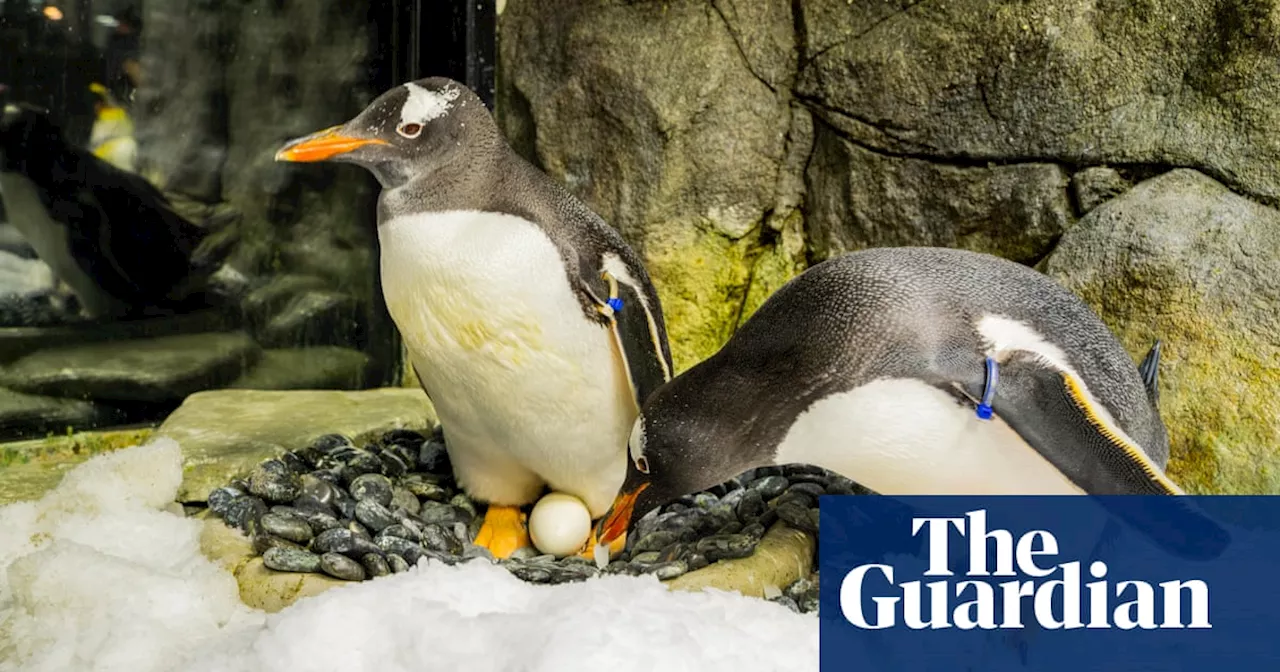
(315,318)
(861,199)
(645,558)
(726,546)
(1182,258)
(750,505)
(342,540)
(373,487)
(274,482)
(770,486)
(436,538)
(314,368)
(464,504)
(262,542)
(24,415)
(668,570)
(524,553)
(398,564)
(358,529)
(375,565)
(398,546)
(424,487)
(291,560)
(433,457)
(403,499)
(442,514)
(148,370)
(221,498)
(341,567)
(1096,185)
(319,520)
(1089,91)
(266,301)
(654,541)
(289,527)
(225,433)
(402,531)
(245,512)
(321,491)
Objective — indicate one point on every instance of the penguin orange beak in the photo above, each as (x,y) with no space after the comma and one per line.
(615,523)
(322,146)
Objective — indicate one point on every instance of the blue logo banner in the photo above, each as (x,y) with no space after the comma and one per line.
(1071,583)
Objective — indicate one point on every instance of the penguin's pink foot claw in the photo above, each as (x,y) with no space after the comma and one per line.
(505,530)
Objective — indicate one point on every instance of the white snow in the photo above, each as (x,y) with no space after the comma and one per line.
(95,576)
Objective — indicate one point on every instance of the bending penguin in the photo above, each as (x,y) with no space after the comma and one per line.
(530,323)
(916,371)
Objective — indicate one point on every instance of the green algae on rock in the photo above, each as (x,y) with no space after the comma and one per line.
(1181,258)
(29,469)
(673,121)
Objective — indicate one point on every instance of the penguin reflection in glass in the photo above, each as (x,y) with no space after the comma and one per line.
(107,233)
(915,371)
(530,323)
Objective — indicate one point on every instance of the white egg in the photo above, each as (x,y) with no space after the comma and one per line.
(559,524)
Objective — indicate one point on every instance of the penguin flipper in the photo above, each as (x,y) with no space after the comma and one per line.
(1150,371)
(637,332)
(1054,412)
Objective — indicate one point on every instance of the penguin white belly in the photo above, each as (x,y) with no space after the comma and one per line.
(49,239)
(527,389)
(906,437)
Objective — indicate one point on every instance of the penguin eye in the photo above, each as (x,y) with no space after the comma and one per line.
(409,130)
(642,464)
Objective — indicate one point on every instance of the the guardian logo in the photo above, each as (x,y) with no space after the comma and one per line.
(1051,594)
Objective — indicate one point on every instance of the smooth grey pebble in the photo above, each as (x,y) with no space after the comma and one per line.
(284,559)
(288,526)
(341,567)
(375,565)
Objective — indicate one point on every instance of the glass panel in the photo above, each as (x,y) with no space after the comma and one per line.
(150,245)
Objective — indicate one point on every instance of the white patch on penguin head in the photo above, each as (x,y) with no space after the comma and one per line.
(635,444)
(424,105)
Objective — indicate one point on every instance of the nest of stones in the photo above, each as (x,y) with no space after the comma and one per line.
(357,513)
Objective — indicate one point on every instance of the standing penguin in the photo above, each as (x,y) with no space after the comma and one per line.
(915,371)
(530,323)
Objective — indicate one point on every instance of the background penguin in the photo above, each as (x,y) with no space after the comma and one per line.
(531,325)
(874,365)
(111,138)
(108,233)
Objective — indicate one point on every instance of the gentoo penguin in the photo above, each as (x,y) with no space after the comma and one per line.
(914,371)
(531,324)
(108,233)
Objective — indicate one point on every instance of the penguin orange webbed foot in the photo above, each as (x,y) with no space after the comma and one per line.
(505,530)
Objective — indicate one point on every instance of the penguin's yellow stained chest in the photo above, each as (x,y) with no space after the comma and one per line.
(482,291)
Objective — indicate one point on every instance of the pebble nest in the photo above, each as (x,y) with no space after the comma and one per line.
(357,513)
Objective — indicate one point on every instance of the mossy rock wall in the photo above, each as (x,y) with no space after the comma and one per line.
(735,142)
(1182,259)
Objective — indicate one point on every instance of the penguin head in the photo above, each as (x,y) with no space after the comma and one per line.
(674,450)
(403,133)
